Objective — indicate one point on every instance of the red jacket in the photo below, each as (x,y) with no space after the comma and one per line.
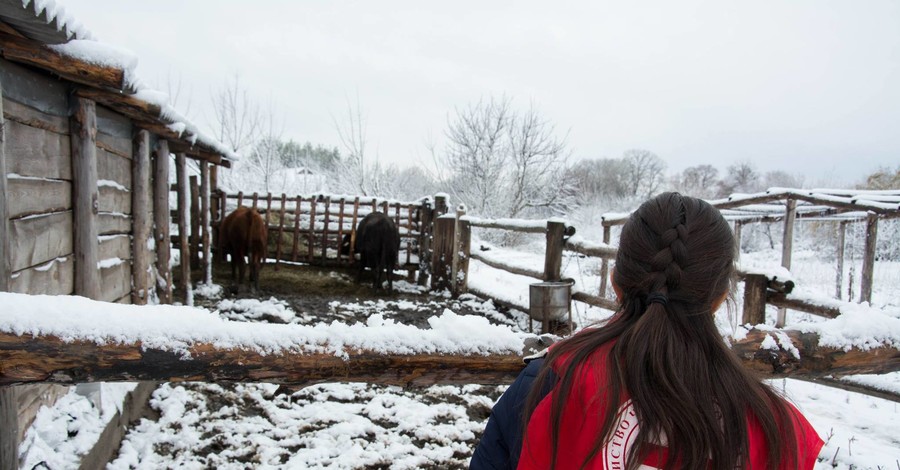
(581,425)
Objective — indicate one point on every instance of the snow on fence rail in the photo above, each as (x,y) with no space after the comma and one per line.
(63,339)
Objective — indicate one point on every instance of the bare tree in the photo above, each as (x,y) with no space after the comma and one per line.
(539,160)
(740,177)
(266,158)
(352,172)
(237,116)
(698,181)
(645,172)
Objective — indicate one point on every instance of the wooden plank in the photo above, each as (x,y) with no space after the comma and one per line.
(183,227)
(426,228)
(111,167)
(296,245)
(113,224)
(135,404)
(268,208)
(54,278)
(6,446)
(83,126)
(113,199)
(353,230)
(464,249)
(787,243)
(839,279)
(34,53)
(278,241)
(205,235)
(312,228)
(194,185)
(521,271)
(868,267)
(36,152)
(325,230)
(116,282)
(31,196)
(340,236)
(28,116)
(37,90)
(115,246)
(161,220)
(39,239)
(113,124)
(443,253)
(142,217)
(553,256)
(9,421)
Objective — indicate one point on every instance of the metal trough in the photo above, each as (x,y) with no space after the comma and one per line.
(550,301)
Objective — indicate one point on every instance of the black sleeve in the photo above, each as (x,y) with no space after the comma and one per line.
(502,439)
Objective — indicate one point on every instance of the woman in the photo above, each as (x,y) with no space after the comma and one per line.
(656,386)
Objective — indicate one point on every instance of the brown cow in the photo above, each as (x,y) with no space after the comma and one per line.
(244,233)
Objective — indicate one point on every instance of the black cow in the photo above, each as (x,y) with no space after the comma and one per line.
(378,244)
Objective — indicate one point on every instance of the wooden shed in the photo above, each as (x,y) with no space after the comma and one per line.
(84,162)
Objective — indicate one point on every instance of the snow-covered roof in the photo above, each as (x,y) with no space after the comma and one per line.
(48,23)
(814,204)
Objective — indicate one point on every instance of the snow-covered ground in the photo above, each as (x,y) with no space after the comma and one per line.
(347,425)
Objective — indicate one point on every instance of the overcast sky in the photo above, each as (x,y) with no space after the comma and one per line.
(801,86)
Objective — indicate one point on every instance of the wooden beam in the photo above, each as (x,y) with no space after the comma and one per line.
(161,220)
(141,219)
(842,240)
(782,300)
(194,185)
(521,271)
(33,53)
(868,267)
(30,359)
(83,128)
(206,236)
(183,228)
(754,299)
(442,253)
(5,244)
(553,256)
(787,247)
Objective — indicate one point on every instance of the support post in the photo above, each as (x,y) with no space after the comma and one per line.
(183,227)
(161,220)
(205,216)
(85,196)
(755,299)
(454,257)
(195,222)
(839,279)
(140,213)
(325,230)
(868,267)
(787,243)
(340,234)
(280,230)
(4,228)
(353,230)
(462,242)
(556,232)
(425,231)
(312,229)
(297,201)
(442,254)
(604,264)
(738,228)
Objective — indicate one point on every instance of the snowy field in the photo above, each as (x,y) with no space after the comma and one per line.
(354,425)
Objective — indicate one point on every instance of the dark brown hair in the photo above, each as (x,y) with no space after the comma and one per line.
(668,356)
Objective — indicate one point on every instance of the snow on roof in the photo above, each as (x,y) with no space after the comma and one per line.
(41,19)
(174,328)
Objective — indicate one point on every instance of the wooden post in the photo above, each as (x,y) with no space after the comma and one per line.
(296,246)
(183,227)
(454,256)
(280,230)
(312,228)
(195,222)
(384,208)
(240,199)
(442,253)
(553,257)
(268,209)
(738,226)
(86,197)
(409,238)
(223,201)
(353,230)
(842,238)
(161,219)
(340,236)
(868,267)
(325,230)
(440,205)
(374,204)
(604,264)
(205,216)
(9,417)
(755,299)
(425,231)
(4,249)
(787,243)
(140,216)
(255,201)
(462,242)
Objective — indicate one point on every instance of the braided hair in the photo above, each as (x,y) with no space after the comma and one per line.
(675,263)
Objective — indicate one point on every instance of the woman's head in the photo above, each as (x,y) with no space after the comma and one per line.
(676,246)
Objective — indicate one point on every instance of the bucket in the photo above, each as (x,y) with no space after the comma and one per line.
(550,301)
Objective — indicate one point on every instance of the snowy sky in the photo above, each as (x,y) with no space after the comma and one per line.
(787,84)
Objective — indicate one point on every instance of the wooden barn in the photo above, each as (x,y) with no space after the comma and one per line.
(84,189)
